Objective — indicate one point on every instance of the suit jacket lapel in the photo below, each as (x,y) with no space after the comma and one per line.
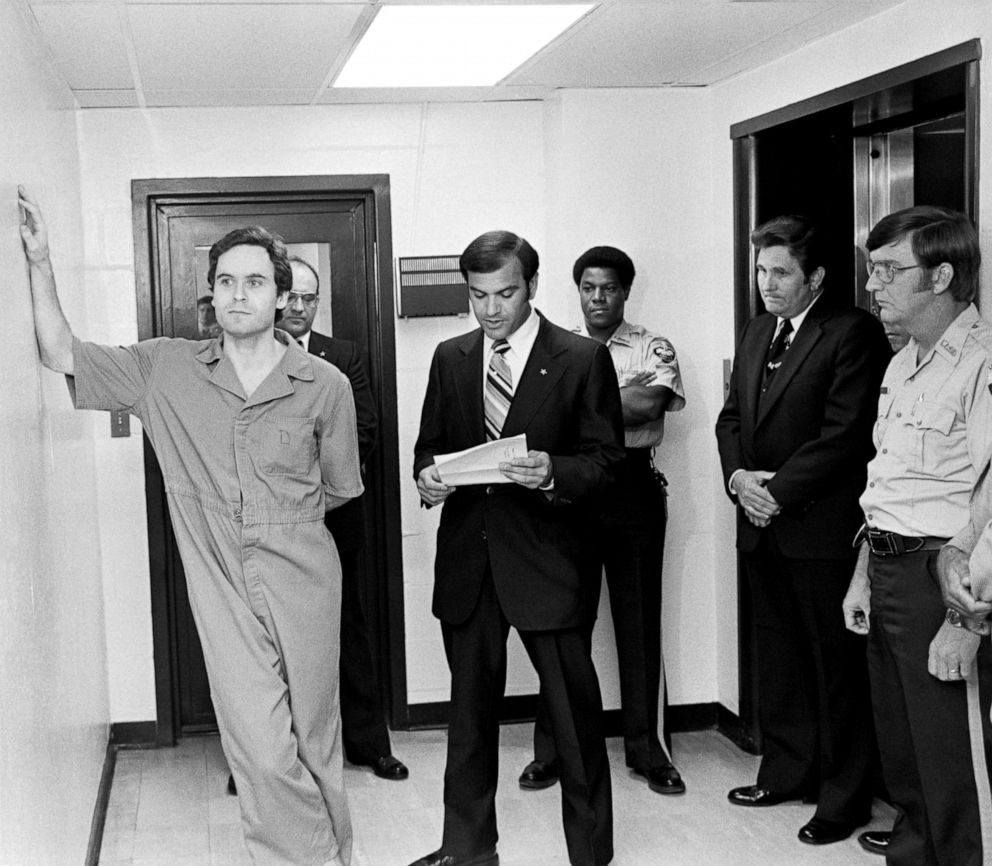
(468,385)
(754,368)
(802,344)
(538,380)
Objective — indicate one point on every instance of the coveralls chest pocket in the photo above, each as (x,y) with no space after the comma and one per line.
(286,446)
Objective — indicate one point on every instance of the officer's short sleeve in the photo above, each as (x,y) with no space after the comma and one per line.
(661,358)
(980,420)
(111,377)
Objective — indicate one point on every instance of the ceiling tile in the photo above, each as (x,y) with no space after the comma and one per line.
(86,43)
(825,21)
(239,46)
(645,44)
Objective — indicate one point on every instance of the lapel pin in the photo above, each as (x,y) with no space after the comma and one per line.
(544,372)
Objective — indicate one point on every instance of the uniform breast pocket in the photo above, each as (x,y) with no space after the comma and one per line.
(286,445)
(882,419)
(940,435)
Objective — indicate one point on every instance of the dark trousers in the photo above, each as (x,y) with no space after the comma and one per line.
(813,698)
(934,737)
(476,651)
(364,731)
(630,545)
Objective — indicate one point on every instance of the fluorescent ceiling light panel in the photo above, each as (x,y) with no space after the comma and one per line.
(453,46)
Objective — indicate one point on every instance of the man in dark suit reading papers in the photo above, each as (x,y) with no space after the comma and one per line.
(513,553)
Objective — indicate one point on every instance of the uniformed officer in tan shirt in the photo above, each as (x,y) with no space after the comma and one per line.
(629,527)
(933,439)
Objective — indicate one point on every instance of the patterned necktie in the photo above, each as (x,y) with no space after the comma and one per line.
(779,347)
(499,390)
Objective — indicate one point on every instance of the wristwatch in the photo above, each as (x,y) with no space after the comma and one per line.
(953,618)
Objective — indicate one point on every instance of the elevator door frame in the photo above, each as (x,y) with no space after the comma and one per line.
(744,728)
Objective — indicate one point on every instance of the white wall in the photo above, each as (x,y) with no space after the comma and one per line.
(53,679)
(630,168)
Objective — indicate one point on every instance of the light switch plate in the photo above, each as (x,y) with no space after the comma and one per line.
(120,424)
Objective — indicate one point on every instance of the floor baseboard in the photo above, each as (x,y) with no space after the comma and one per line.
(100,809)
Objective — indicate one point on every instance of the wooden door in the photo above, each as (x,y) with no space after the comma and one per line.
(344,226)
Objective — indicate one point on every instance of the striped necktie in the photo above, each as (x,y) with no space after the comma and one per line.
(499,390)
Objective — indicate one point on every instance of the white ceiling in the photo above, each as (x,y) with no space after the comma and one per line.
(287,52)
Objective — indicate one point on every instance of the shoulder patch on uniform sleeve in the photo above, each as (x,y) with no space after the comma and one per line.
(665,353)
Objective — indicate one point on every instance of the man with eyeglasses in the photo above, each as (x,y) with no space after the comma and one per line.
(628,532)
(795,437)
(912,593)
(366,737)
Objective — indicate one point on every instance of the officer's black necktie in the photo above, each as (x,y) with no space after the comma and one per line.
(776,352)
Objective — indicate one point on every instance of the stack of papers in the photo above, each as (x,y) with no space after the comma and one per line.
(480,465)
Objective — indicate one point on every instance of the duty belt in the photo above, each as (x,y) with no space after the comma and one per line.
(883,543)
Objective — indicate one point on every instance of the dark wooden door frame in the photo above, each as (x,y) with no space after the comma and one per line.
(149,198)
(744,729)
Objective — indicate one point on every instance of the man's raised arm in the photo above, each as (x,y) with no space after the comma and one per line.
(50,326)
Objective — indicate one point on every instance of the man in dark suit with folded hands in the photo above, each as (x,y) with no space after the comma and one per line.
(794,439)
(514,553)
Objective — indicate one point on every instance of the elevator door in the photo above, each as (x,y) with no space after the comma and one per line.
(922,163)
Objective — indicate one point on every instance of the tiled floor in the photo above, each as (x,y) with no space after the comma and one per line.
(168,807)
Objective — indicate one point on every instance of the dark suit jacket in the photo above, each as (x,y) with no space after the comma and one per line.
(812,428)
(347,522)
(568,404)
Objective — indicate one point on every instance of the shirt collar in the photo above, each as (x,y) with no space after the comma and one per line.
(295,362)
(952,341)
(799,318)
(621,336)
(521,339)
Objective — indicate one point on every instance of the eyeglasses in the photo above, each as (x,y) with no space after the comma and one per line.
(886,271)
(308,300)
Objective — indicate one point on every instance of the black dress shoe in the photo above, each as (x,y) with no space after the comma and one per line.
(875,841)
(388,767)
(663,780)
(753,795)
(538,775)
(821,832)
(440,859)
(232,789)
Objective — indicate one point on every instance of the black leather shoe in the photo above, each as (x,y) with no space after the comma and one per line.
(232,789)
(752,795)
(440,859)
(538,775)
(875,841)
(388,767)
(821,832)
(663,780)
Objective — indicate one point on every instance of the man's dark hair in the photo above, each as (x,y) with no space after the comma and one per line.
(255,236)
(798,235)
(492,250)
(938,235)
(204,299)
(310,267)
(605,257)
